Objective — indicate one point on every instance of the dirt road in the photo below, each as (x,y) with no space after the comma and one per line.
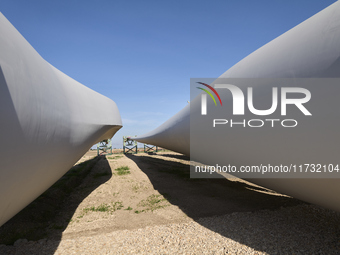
(117,196)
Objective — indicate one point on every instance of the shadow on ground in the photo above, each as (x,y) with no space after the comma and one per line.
(205,197)
(177,156)
(50,213)
(200,198)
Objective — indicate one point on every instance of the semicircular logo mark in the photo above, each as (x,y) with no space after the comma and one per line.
(213,90)
(207,91)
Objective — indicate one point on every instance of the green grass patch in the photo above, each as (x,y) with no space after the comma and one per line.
(123,170)
(88,209)
(103,208)
(117,206)
(100,208)
(115,157)
(135,188)
(139,211)
(153,202)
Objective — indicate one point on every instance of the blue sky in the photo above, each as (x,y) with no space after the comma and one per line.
(142,54)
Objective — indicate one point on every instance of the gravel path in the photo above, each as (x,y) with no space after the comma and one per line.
(304,229)
(198,217)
